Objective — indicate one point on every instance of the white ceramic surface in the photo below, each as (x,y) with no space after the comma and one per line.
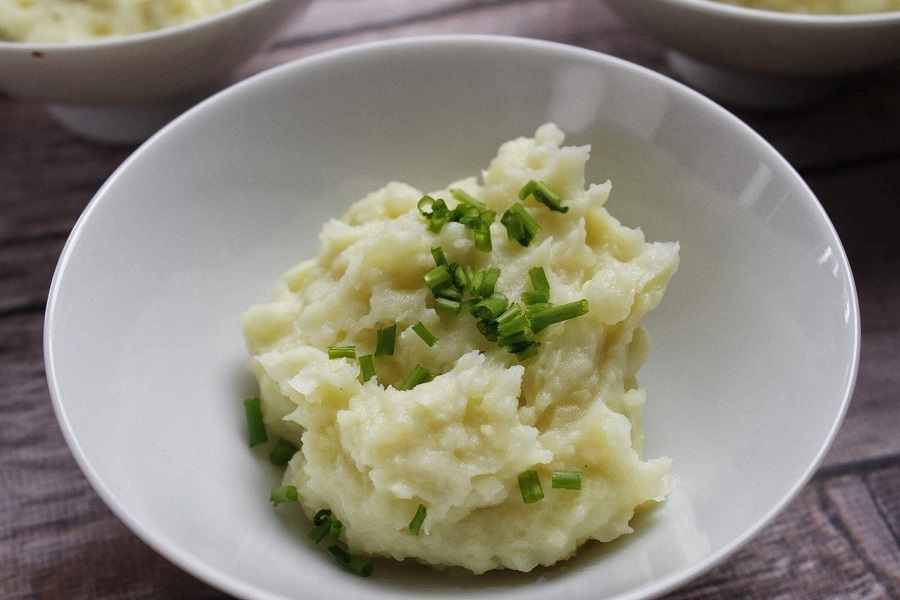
(754,349)
(122,89)
(764,59)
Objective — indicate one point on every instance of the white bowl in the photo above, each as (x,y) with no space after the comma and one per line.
(123,89)
(755,348)
(764,59)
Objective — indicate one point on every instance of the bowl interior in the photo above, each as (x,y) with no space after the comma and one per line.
(754,347)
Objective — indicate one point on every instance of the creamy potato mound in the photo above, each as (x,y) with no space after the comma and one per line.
(822,7)
(64,21)
(372,452)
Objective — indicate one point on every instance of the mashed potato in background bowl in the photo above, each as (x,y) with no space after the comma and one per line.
(101,73)
(85,20)
(747,379)
(373,451)
(789,55)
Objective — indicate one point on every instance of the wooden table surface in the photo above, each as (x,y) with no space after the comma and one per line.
(840,538)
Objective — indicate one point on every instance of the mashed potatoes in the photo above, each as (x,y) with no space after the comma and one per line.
(820,6)
(373,452)
(55,21)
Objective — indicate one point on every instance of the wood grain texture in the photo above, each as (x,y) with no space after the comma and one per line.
(840,538)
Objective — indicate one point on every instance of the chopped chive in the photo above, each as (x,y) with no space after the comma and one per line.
(439,258)
(360,567)
(423,332)
(448,305)
(352,562)
(384,342)
(520,225)
(483,237)
(459,275)
(543,194)
(515,340)
(334,530)
(489,281)
(476,281)
(528,351)
(438,277)
(318,534)
(282,452)
(488,329)
(418,519)
(535,297)
(449,293)
(533,309)
(566,480)
(512,320)
(321,516)
(322,527)
(539,279)
(467,215)
(256,429)
(491,308)
(468,304)
(341,352)
(426,206)
(438,214)
(530,486)
(366,367)
(285,493)
(467,198)
(557,314)
(340,553)
(419,375)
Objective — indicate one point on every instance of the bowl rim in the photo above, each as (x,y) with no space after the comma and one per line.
(134,39)
(224,581)
(766,16)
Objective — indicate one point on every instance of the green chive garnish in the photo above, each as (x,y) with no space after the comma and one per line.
(539,279)
(460,275)
(255,426)
(334,530)
(467,198)
(566,480)
(438,277)
(528,351)
(489,281)
(535,297)
(282,452)
(366,367)
(543,194)
(419,375)
(435,211)
(418,519)
(483,237)
(285,493)
(449,293)
(384,342)
(350,561)
(422,331)
(341,352)
(520,225)
(439,258)
(530,486)
(476,281)
(321,516)
(448,305)
(491,308)
(322,522)
(557,314)
(512,320)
